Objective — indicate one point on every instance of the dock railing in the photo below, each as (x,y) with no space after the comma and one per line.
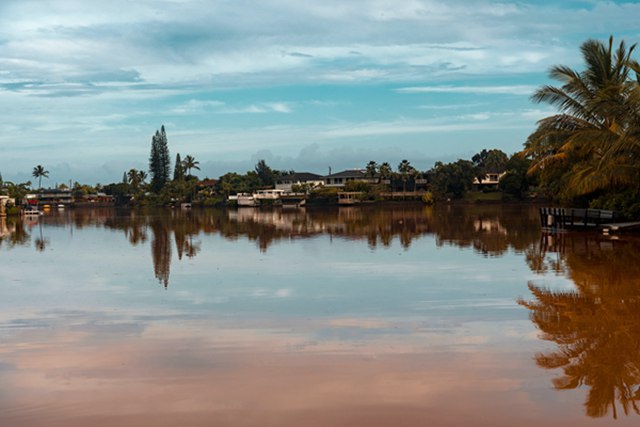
(563,218)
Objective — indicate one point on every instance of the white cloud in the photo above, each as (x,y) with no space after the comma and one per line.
(483,90)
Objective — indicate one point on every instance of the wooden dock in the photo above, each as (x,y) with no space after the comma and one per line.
(564,219)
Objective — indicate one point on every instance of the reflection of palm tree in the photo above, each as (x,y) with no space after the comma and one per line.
(596,328)
(40,242)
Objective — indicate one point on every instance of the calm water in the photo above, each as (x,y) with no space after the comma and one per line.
(455,316)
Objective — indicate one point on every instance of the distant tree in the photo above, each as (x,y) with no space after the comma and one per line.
(405,169)
(39,172)
(371,169)
(233,183)
(385,171)
(452,179)
(516,181)
(265,174)
(178,169)
(133,178)
(190,163)
(159,163)
(489,161)
(142,177)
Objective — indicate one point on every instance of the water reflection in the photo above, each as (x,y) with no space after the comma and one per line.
(596,327)
(489,230)
(13,232)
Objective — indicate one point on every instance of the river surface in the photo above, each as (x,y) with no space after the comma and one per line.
(372,316)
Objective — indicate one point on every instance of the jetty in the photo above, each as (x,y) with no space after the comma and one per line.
(565,219)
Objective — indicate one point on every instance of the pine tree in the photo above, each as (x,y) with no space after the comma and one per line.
(159,163)
(178,170)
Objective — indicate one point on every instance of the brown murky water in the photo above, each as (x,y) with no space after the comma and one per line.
(385,316)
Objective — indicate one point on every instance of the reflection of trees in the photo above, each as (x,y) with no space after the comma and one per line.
(597,326)
(161,248)
(491,230)
(13,232)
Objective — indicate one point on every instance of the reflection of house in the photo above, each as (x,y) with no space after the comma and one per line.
(285,182)
(7,201)
(100,199)
(490,180)
(341,178)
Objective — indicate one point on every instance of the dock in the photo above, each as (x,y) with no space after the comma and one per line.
(564,219)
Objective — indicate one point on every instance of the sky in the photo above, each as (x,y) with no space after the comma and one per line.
(305,85)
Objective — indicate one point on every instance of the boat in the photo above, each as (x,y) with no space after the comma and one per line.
(271,194)
(245,200)
(347,198)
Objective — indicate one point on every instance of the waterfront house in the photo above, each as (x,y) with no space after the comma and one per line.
(490,181)
(311,180)
(50,197)
(339,179)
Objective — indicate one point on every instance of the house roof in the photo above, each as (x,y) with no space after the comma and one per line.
(350,173)
(300,177)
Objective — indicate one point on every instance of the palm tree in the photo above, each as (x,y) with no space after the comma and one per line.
(190,163)
(133,177)
(594,141)
(405,170)
(142,177)
(39,172)
(371,170)
(385,171)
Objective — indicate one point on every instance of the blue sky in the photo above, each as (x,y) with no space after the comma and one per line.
(303,84)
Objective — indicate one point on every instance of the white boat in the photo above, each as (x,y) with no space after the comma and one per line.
(245,199)
(272,194)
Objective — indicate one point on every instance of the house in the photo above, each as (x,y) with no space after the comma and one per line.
(207,186)
(490,180)
(311,180)
(339,179)
(52,197)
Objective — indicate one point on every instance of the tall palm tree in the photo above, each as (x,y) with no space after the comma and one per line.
(190,163)
(38,172)
(405,169)
(385,171)
(133,177)
(142,177)
(594,141)
(371,170)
